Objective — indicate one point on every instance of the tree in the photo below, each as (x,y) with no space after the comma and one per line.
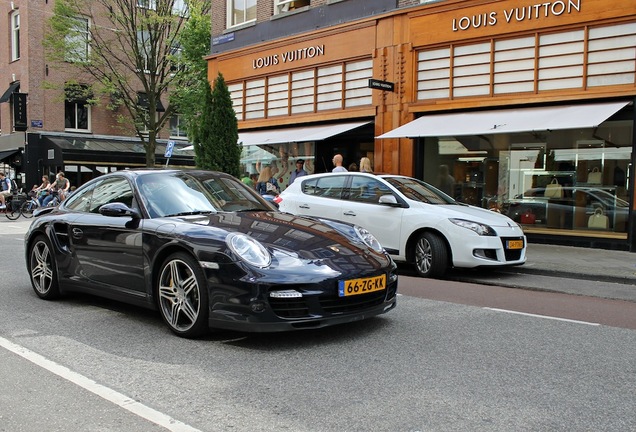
(132,54)
(190,86)
(216,139)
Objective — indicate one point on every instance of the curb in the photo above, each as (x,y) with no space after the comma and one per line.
(626,280)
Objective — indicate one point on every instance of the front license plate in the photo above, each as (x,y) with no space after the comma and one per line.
(514,244)
(361,286)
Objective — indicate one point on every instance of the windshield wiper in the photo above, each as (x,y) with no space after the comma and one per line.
(190,213)
(251,209)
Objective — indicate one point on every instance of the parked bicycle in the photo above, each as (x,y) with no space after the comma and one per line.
(14,203)
(25,205)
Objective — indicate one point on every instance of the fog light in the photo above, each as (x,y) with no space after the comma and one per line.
(258,306)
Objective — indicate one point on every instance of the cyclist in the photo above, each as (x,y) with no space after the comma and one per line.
(59,187)
(6,190)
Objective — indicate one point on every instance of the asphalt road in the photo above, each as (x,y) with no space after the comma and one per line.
(83,363)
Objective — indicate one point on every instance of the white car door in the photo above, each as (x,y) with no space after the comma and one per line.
(363,208)
(321,197)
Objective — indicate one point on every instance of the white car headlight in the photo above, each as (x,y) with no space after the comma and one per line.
(479,228)
(249,250)
(368,239)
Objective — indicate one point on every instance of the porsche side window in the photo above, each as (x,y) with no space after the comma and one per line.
(80,201)
(111,191)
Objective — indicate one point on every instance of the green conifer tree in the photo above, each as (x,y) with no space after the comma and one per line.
(216,139)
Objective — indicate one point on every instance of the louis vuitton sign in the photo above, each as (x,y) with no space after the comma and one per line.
(288,56)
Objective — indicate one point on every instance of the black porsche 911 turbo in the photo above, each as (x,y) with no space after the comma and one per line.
(208,252)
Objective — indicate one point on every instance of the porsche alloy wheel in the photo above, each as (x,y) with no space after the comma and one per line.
(431,256)
(182,296)
(42,269)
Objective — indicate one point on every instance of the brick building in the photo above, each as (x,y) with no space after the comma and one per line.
(43,129)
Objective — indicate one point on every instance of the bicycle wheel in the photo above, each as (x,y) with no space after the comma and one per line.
(27,208)
(11,212)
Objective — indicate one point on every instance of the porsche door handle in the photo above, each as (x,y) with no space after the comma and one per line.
(349,213)
(304,206)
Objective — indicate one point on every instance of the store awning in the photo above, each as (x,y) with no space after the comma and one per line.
(7,154)
(297,134)
(7,94)
(508,121)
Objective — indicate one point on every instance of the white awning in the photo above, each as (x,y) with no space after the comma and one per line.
(296,134)
(507,121)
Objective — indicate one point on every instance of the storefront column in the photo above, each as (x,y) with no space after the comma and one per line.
(632,214)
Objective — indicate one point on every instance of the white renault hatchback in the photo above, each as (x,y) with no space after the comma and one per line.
(414,221)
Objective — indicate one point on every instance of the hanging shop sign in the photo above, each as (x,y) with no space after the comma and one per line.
(381,85)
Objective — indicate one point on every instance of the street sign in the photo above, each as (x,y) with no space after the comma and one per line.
(169,149)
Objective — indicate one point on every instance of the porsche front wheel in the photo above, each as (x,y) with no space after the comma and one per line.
(183,296)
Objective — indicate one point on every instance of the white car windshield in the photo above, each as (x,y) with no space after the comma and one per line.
(418,190)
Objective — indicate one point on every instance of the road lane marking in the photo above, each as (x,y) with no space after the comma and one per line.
(542,316)
(104,392)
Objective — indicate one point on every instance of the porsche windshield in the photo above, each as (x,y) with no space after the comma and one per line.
(171,194)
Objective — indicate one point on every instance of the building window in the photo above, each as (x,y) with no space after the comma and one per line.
(77,116)
(15,35)
(282,6)
(180,8)
(145,47)
(177,127)
(77,109)
(77,41)
(147,4)
(240,12)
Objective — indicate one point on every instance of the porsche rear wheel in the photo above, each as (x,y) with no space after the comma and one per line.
(183,296)
(431,256)
(42,269)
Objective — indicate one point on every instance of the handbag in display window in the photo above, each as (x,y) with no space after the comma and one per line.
(528,218)
(553,190)
(598,220)
(595,176)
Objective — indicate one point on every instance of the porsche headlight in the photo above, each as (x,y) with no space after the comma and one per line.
(249,250)
(480,229)
(368,239)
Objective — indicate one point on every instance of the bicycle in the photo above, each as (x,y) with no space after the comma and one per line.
(13,204)
(27,208)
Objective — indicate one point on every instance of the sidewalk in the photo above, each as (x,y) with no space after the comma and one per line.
(581,263)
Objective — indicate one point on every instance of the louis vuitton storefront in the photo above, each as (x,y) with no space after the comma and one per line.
(522,107)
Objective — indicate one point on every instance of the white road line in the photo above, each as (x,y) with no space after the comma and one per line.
(542,316)
(110,395)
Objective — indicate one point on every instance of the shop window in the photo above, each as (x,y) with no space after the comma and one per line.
(77,41)
(282,6)
(281,158)
(565,181)
(15,35)
(240,12)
